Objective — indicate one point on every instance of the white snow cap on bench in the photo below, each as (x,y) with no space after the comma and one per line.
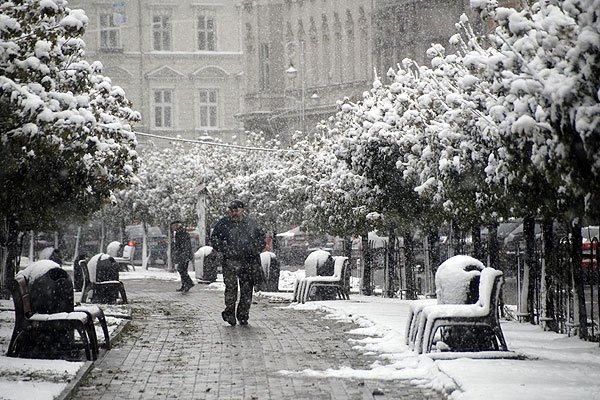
(38,269)
(452,281)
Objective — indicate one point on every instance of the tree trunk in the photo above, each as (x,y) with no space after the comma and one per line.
(366,286)
(77,239)
(477,245)
(391,265)
(493,258)
(548,275)
(492,245)
(144,245)
(170,266)
(102,237)
(529,275)
(31,246)
(347,252)
(578,279)
(433,244)
(9,256)
(450,240)
(409,254)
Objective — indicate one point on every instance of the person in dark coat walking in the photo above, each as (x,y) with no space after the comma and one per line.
(240,240)
(56,256)
(181,250)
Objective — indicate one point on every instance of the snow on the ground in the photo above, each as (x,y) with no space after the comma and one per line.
(545,365)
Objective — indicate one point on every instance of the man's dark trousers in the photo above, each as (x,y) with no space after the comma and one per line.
(234,272)
(182,268)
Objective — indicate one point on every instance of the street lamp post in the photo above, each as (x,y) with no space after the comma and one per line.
(292,73)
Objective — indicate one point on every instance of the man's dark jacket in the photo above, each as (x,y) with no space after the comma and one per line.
(182,247)
(240,240)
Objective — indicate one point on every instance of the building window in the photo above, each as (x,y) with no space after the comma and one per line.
(161,29)
(265,66)
(207,33)
(249,39)
(163,108)
(208,108)
(110,32)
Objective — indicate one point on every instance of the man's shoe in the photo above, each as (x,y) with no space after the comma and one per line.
(187,288)
(180,289)
(243,322)
(229,318)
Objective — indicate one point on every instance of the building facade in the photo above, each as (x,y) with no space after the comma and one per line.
(335,48)
(300,58)
(220,67)
(180,62)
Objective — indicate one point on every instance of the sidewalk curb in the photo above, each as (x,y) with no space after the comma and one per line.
(89,365)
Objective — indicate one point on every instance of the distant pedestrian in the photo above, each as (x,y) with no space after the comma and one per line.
(240,240)
(181,250)
(78,279)
(56,256)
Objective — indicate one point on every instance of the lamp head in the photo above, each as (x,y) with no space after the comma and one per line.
(291,72)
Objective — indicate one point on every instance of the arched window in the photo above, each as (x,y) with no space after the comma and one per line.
(363,45)
(312,67)
(350,60)
(338,44)
(326,46)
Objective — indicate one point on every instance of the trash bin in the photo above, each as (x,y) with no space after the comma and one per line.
(206,261)
(106,269)
(271,271)
(51,291)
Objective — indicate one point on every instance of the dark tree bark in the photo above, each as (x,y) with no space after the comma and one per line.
(409,254)
(529,237)
(433,238)
(366,288)
(477,245)
(391,262)
(550,273)
(492,245)
(578,278)
(10,251)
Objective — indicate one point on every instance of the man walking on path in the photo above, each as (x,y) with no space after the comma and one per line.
(240,240)
(182,254)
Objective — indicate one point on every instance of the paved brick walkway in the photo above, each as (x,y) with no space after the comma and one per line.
(178,347)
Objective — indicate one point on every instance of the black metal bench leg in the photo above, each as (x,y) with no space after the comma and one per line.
(86,343)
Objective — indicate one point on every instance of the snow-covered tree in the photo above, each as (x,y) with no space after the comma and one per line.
(66,140)
(544,66)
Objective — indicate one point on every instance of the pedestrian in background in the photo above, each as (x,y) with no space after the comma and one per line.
(181,250)
(240,240)
(56,256)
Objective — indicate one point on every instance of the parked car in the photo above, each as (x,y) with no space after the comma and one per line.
(157,244)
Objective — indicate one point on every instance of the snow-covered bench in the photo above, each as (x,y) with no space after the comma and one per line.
(456,281)
(31,326)
(91,282)
(126,261)
(339,281)
(483,314)
(316,262)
